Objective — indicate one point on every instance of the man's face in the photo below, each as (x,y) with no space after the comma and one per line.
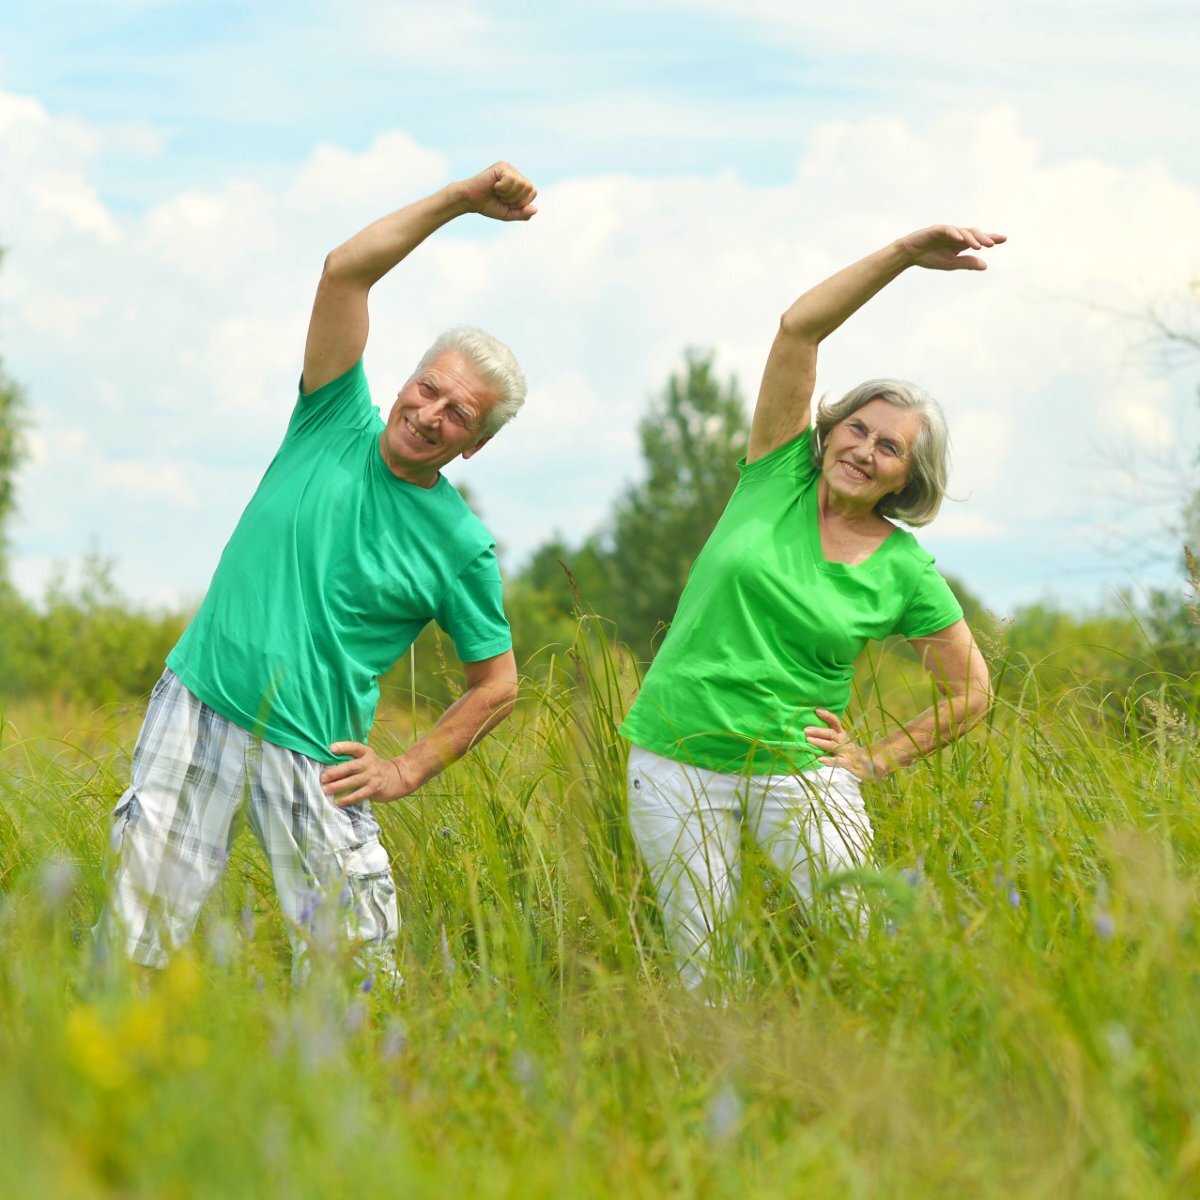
(438,415)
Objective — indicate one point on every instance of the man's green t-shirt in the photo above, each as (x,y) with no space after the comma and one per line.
(334,568)
(767,630)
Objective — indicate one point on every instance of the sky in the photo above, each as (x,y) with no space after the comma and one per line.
(174,172)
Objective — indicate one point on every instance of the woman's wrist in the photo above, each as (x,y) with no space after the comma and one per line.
(881,762)
(903,253)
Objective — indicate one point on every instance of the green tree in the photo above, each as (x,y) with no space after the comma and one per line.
(566,578)
(1172,618)
(12,448)
(1178,340)
(691,439)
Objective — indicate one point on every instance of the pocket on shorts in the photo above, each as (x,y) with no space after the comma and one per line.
(161,684)
(125,816)
(362,855)
(366,861)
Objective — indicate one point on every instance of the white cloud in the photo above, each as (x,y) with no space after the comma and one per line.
(1022,33)
(453,35)
(45,177)
(955,524)
(208,236)
(337,179)
(158,485)
(170,343)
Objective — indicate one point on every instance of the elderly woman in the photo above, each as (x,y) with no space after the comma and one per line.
(737,720)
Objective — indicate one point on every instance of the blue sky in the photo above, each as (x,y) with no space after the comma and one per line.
(175,172)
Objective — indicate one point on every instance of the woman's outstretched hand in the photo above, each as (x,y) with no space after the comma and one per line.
(839,751)
(944,247)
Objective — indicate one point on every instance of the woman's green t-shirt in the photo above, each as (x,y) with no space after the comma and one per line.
(767,630)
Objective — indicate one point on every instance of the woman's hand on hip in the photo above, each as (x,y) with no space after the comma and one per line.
(838,750)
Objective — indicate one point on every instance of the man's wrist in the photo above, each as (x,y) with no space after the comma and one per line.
(409,777)
(456,199)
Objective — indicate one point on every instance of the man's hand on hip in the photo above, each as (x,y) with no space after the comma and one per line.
(365,777)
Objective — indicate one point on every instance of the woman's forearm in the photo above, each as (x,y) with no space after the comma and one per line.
(820,310)
(937,726)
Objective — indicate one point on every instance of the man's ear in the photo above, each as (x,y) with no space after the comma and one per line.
(479,445)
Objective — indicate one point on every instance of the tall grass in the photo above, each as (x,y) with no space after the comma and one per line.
(1019,1019)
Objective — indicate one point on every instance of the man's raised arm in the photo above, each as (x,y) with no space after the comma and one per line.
(337,329)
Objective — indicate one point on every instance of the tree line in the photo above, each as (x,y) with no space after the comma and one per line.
(90,643)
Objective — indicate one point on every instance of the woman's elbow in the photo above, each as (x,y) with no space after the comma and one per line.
(795,327)
(980,698)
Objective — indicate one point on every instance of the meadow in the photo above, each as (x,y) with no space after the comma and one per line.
(1021,1018)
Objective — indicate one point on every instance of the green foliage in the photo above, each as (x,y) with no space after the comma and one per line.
(12,451)
(564,579)
(633,573)
(691,439)
(1124,660)
(1019,1019)
(83,643)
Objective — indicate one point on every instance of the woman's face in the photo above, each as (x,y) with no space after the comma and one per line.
(869,455)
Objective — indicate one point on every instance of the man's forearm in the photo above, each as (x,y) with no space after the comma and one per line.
(372,252)
(473,715)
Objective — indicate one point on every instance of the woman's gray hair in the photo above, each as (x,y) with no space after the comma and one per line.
(494,361)
(929,468)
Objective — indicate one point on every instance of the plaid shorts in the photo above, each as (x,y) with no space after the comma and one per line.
(174,827)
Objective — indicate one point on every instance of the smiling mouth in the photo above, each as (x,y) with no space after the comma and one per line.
(412,429)
(855,472)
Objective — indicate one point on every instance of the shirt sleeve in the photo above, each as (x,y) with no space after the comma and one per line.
(931,607)
(792,458)
(472,611)
(344,401)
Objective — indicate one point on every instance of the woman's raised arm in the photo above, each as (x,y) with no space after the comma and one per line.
(782,411)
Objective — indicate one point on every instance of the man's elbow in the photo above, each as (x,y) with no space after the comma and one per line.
(504,699)
(342,268)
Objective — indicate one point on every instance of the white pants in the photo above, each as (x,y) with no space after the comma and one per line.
(687,823)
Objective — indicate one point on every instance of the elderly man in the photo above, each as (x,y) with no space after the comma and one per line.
(351,544)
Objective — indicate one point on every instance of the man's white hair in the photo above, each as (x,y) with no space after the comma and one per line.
(494,361)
